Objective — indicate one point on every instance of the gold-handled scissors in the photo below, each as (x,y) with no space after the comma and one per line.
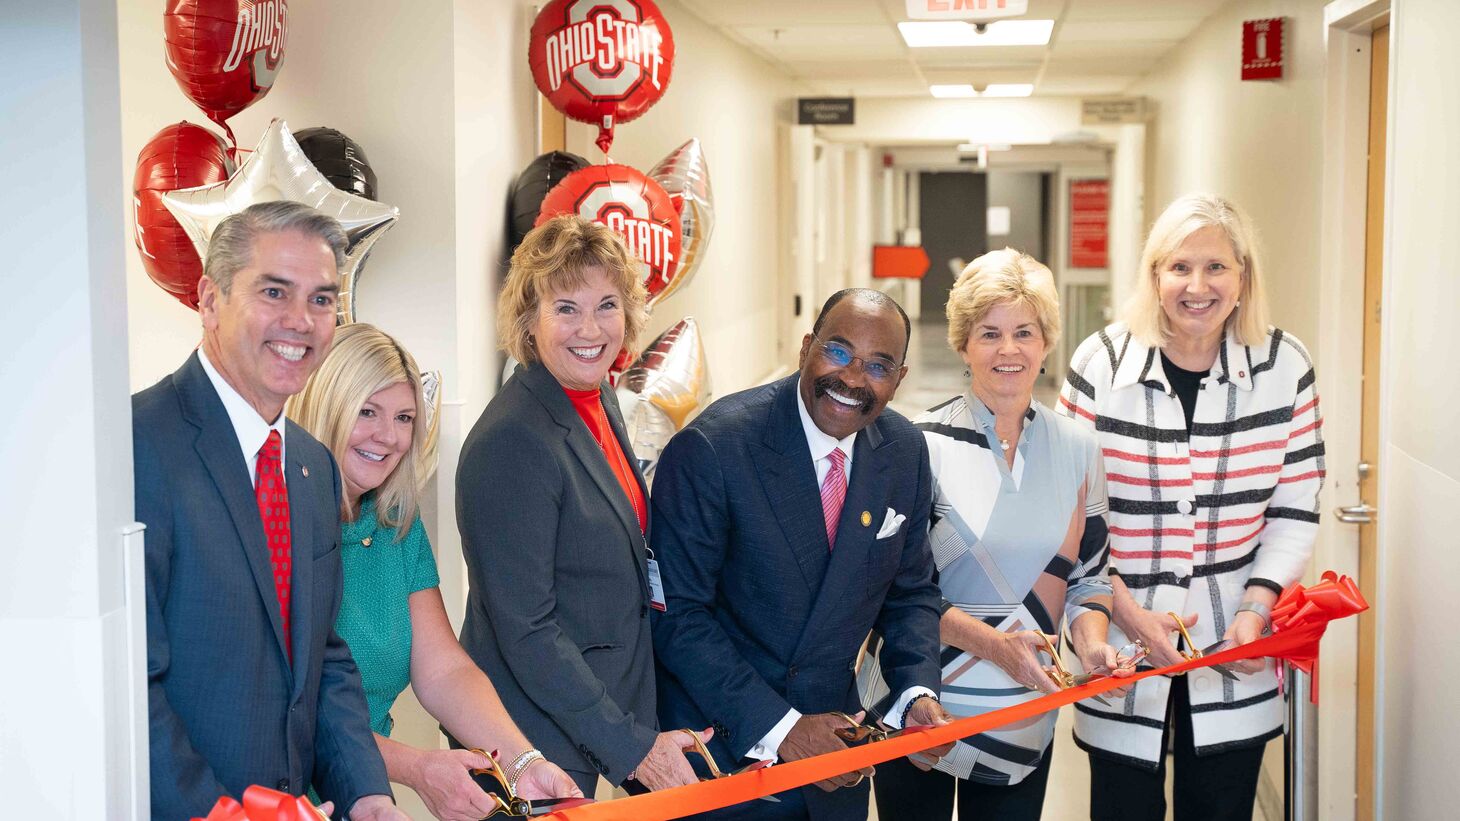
(1060,675)
(1196,653)
(715,771)
(513,805)
(856,733)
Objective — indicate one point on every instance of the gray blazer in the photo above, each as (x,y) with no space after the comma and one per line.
(226,708)
(558,611)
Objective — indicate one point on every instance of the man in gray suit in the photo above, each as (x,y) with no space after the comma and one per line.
(248,683)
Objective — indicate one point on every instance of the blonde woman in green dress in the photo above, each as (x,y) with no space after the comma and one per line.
(364,403)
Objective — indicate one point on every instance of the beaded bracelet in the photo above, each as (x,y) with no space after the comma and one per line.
(519,765)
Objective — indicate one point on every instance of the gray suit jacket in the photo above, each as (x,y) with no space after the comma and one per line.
(226,708)
(558,612)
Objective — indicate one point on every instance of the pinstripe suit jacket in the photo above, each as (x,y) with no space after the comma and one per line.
(226,708)
(762,616)
(1196,518)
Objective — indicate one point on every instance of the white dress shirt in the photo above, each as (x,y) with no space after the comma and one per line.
(251,428)
(822,444)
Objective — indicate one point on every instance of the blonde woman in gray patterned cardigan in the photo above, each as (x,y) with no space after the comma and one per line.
(1018,535)
(1208,421)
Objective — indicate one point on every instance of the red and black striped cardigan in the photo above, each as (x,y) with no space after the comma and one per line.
(1196,518)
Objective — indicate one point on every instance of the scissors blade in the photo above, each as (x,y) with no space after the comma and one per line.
(1224,669)
(750,768)
(550,805)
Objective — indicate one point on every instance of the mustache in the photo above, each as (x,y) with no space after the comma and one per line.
(831,382)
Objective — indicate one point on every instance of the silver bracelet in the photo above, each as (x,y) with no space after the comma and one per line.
(1263,611)
(519,765)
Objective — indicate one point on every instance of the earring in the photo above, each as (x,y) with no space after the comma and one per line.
(1239,304)
(1041,369)
(967,374)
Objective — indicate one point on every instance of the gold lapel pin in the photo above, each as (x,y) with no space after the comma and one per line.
(866,518)
(305,470)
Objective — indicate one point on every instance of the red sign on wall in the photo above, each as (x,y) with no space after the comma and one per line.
(1089,223)
(1262,49)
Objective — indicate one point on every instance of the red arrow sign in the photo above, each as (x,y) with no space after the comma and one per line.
(899,261)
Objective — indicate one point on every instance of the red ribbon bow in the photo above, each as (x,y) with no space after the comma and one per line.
(263,804)
(1309,609)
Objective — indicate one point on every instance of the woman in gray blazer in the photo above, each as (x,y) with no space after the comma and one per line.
(553,514)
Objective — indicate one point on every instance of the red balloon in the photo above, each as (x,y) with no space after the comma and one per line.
(179,156)
(601,62)
(224,54)
(633,205)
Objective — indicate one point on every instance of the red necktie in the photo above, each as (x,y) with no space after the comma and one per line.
(833,493)
(274,510)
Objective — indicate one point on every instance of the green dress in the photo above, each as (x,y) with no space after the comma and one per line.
(375,616)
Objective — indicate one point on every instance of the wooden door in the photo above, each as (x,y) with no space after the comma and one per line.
(1369,425)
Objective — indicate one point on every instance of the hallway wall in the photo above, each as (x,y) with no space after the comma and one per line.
(447,132)
(1258,143)
(734,102)
(1419,498)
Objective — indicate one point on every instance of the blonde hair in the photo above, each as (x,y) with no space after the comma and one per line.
(1185,216)
(553,257)
(998,278)
(362,361)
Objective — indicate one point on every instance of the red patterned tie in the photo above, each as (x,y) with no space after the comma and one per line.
(833,493)
(273,501)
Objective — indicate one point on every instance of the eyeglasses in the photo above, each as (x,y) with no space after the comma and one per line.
(877,368)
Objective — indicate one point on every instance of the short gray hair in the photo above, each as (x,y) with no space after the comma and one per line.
(230,249)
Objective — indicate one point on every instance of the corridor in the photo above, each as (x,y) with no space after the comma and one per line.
(764,155)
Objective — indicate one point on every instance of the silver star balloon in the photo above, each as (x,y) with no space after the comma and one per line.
(662,391)
(278,170)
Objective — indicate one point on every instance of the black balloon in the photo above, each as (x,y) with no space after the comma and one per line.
(533,185)
(340,159)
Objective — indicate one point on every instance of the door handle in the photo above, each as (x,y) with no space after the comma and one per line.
(1359,514)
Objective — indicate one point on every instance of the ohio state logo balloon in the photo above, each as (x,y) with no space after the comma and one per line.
(224,54)
(631,204)
(601,62)
(179,156)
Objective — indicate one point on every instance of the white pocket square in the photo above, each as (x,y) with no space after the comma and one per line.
(891,524)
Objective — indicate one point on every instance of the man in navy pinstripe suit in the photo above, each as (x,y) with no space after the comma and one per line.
(248,683)
(789,520)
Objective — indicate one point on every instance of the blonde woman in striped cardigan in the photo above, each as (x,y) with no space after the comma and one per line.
(1209,424)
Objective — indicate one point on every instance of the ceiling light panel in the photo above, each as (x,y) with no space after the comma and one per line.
(951,91)
(954,33)
(1008,90)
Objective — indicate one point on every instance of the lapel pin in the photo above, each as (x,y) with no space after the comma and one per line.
(305,470)
(866,518)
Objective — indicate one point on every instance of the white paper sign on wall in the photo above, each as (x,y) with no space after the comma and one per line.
(965,9)
(998,221)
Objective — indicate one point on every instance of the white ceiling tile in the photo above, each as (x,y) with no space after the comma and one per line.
(1141,9)
(1134,49)
(823,42)
(1107,31)
(1087,85)
(787,13)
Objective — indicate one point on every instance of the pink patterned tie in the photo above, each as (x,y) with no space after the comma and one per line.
(833,494)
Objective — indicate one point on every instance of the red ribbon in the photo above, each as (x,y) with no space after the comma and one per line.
(263,804)
(1299,620)
(1298,607)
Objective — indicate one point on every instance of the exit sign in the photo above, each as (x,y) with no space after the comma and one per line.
(965,9)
